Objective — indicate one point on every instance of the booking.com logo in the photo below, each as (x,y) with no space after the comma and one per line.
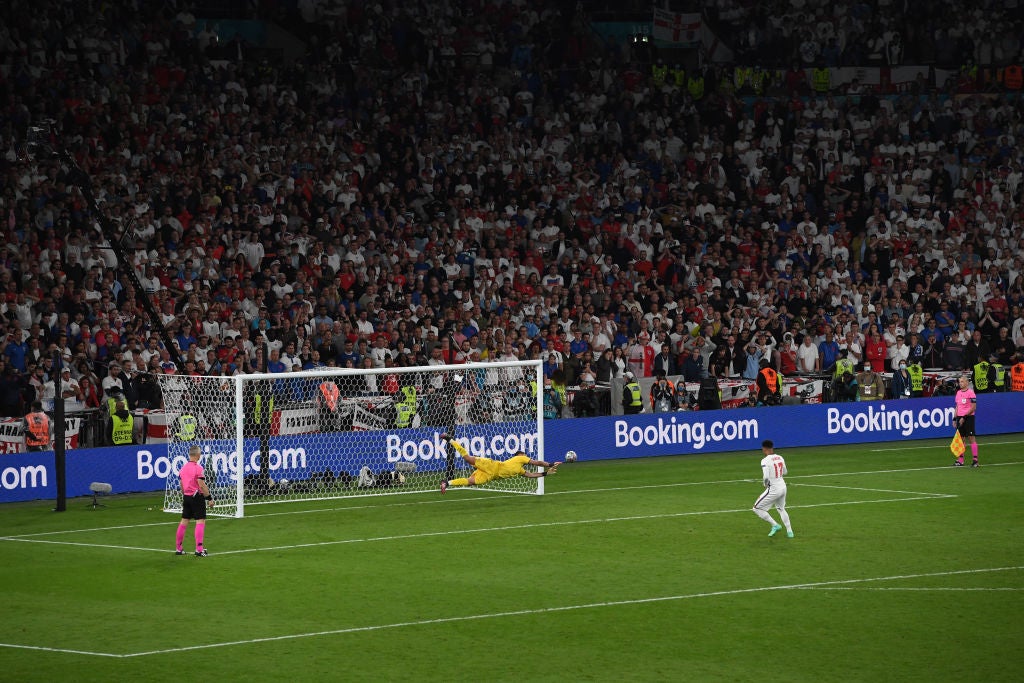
(435,448)
(149,466)
(24,477)
(905,421)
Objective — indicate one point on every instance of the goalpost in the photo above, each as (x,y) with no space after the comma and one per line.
(335,433)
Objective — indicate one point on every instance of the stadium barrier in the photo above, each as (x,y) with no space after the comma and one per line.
(30,476)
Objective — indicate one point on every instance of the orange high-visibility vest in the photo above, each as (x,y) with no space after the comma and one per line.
(1017,377)
(37,429)
(330,393)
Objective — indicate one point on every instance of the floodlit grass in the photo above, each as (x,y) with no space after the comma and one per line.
(902,568)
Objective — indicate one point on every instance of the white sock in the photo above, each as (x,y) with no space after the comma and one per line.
(764,515)
(785,519)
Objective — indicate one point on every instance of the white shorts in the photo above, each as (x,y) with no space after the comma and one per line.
(772,496)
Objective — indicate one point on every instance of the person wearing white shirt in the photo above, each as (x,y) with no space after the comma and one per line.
(898,354)
(380,353)
(253,251)
(601,340)
(211,327)
(773,471)
(70,390)
(807,356)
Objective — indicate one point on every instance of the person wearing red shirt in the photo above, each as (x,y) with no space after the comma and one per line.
(555,340)
(875,351)
(998,305)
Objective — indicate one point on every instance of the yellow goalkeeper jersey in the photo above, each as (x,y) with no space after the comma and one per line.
(499,469)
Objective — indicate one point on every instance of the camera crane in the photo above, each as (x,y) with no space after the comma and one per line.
(39,144)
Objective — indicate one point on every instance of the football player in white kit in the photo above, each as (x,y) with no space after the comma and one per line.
(773,469)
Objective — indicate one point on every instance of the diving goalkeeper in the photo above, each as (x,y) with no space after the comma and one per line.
(485,469)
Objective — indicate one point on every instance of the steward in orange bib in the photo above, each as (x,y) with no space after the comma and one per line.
(37,429)
(1017,374)
(769,385)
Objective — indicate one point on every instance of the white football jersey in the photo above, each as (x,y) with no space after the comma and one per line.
(773,469)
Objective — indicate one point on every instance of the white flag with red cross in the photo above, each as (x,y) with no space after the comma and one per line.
(676,27)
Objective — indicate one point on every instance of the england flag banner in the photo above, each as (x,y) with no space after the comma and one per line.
(676,27)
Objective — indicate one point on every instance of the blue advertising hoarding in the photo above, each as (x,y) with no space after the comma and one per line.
(29,476)
(679,433)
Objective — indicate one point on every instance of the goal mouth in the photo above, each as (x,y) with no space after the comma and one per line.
(335,433)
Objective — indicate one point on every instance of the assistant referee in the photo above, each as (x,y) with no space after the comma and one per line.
(966,408)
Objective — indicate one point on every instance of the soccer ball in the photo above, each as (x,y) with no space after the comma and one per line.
(570,456)
(284,484)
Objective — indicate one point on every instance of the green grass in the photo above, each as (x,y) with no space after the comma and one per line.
(638,570)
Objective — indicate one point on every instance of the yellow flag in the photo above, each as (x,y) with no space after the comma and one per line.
(957,445)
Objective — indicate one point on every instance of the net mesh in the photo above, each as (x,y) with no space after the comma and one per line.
(334,433)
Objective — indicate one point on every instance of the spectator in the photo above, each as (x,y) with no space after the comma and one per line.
(828,352)
(693,366)
(662,395)
(807,356)
(113,383)
(665,362)
(875,351)
(262,236)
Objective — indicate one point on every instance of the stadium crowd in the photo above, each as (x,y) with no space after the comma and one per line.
(451,181)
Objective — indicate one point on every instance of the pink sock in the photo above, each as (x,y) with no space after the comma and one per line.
(974,451)
(200,529)
(180,537)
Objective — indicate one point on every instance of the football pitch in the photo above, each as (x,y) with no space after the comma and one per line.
(903,568)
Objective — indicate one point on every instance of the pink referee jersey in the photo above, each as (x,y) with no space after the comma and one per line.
(191,473)
(964,399)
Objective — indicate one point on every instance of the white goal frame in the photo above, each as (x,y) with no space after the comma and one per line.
(231,497)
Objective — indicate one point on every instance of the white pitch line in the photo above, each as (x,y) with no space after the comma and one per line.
(84,545)
(63,650)
(924,448)
(511,527)
(788,478)
(515,613)
(15,537)
(335,508)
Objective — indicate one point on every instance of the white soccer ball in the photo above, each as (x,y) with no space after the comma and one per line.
(283,484)
(570,456)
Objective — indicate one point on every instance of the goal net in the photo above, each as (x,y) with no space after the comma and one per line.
(334,433)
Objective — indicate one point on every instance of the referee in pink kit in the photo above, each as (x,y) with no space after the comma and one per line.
(966,407)
(193,504)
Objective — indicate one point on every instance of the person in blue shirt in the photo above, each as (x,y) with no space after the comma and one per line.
(16,350)
(752,364)
(578,344)
(828,351)
(693,366)
(532,330)
(185,337)
(945,319)
(551,365)
(621,336)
